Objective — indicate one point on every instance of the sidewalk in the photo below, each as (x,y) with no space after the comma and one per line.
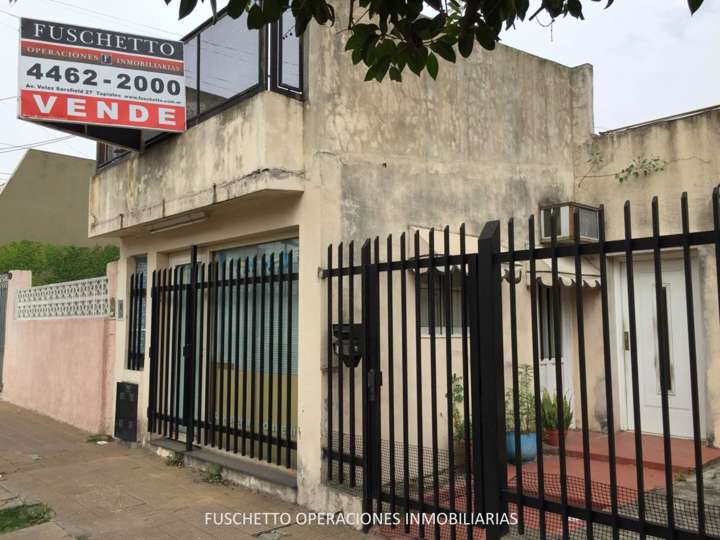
(111,492)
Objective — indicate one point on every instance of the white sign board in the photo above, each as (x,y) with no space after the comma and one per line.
(73,74)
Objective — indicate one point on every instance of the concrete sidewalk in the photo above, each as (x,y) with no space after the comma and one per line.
(112,492)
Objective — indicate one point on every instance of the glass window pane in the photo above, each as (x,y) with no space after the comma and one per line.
(229,61)
(289,52)
(190,55)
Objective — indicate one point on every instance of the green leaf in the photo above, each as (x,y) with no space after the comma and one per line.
(432,66)
(301,22)
(186,7)
(485,36)
(272,10)
(694,5)
(395,74)
(465,44)
(255,18)
(236,8)
(443,50)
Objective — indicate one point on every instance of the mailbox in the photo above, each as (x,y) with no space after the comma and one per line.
(348,343)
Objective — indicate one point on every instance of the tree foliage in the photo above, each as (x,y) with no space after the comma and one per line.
(54,264)
(390,36)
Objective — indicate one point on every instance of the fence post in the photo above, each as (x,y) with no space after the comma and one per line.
(487,377)
(189,354)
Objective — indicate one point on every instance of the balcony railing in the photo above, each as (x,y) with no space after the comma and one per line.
(225,63)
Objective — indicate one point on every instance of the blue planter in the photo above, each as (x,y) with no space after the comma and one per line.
(528,446)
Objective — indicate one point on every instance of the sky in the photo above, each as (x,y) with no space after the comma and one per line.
(651,58)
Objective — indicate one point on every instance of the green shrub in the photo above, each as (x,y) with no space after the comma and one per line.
(51,263)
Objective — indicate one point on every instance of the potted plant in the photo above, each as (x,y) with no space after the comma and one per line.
(458,397)
(549,411)
(526,426)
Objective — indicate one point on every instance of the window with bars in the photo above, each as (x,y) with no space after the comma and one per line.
(439,299)
(137,315)
(546,322)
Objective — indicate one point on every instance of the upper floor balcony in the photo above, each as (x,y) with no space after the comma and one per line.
(244,92)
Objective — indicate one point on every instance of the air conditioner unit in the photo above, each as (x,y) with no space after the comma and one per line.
(564,222)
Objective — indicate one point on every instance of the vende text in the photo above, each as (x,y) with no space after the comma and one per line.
(106,111)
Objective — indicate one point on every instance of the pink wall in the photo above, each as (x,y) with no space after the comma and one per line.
(60,367)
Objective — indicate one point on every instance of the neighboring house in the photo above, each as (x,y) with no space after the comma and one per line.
(46,200)
(324,157)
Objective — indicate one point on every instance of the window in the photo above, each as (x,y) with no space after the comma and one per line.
(190,55)
(546,323)
(440,298)
(279,301)
(229,61)
(137,315)
(287,55)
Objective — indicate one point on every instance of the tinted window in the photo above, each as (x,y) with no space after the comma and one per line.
(229,54)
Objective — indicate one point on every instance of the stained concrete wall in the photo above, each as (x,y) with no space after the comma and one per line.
(60,367)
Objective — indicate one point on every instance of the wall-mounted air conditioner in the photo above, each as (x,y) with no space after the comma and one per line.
(564,222)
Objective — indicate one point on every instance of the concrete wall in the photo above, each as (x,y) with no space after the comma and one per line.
(60,367)
(46,200)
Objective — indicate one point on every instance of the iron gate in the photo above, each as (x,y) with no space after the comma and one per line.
(419,420)
(223,359)
(4,278)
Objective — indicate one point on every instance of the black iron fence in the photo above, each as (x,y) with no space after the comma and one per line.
(420,419)
(137,310)
(224,356)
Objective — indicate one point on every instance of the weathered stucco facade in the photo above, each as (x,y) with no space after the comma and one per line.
(494,137)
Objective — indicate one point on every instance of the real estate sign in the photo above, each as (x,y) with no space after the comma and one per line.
(78,75)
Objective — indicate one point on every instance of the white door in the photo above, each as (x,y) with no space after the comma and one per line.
(679,397)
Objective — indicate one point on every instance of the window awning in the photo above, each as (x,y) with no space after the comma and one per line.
(566,273)
(439,245)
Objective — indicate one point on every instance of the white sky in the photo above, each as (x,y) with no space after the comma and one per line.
(651,58)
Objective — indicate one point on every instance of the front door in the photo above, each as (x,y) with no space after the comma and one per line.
(679,397)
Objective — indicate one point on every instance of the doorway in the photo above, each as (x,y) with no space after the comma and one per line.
(647,324)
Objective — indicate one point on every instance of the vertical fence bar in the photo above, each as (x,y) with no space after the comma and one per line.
(261,404)
(139,349)
(223,359)
(208,350)
(329,361)
(278,455)
(367,433)
(433,378)
(253,357)
(374,304)
(161,351)
(351,375)
(189,353)
(246,302)
(448,314)
(238,395)
(167,383)
(694,383)
(635,376)
(271,343)
(201,354)
(536,376)
(341,389)
(419,389)
(152,409)
(404,368)
(489,387)
(465,383)
(580,316)
(215,316)
(607,358)
(559,395)
(391,374)
(229,357)
(515,375)
(664,362)
(131,322)
(288,403)
(173,355)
